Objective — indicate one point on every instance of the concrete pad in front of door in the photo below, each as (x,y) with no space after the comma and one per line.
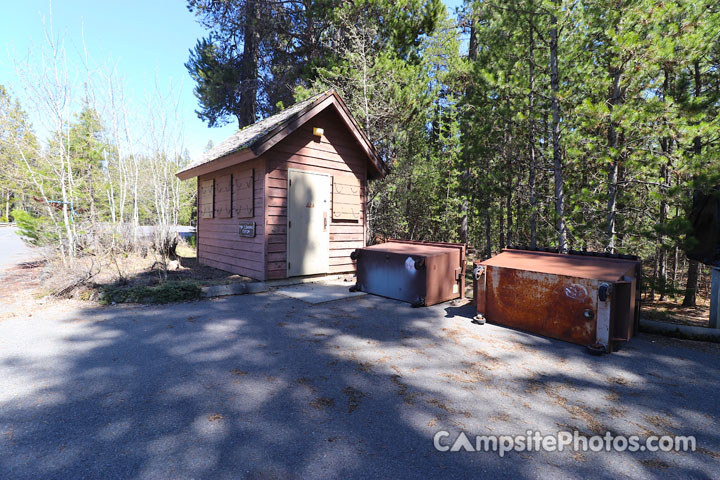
(319,292)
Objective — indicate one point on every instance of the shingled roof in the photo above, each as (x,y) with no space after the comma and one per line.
(258,137)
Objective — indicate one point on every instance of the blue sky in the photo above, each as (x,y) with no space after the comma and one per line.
(147,40)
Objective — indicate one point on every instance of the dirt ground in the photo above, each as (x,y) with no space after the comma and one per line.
(144,270)
(189,269)
(27,285)
(672,311)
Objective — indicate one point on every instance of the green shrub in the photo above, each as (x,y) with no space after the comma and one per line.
(164,293)
(29,227)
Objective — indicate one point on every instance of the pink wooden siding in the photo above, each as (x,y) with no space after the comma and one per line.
(219,242)
(336,153)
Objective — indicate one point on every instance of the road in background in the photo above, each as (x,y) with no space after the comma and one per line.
(12,249)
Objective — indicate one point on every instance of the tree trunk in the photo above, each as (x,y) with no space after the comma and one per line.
(465,206)
(509,217)
(508,187)
(664,212)
(654,277)
(249,67)
(661,263)
(666,145)
(464,220)
(662,273)
(675,270)
(692,284)
(531,130)
(557,151)
(613,169)
(472,45)
(488,233)
(502,225)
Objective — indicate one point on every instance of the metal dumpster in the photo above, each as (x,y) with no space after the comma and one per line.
(585,298)
(421,273)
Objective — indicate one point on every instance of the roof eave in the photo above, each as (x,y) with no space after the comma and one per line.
(227,160)
(285,128)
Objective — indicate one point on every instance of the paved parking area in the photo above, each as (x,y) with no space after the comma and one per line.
(319,292)
(266,386)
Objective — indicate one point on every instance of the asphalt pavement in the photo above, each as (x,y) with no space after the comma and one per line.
(12,248)
(267,386)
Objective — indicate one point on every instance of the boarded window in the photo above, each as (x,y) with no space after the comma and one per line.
(243,195)
(223,197)
(207,198)
(347,200)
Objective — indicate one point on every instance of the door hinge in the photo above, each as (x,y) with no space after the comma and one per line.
(289,223)
(289,266)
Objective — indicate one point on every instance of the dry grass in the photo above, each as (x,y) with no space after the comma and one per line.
(672,311)
(86,278)
(112,275)
(21,286)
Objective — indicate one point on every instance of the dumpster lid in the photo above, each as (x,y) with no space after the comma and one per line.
(580,266)
(409,249)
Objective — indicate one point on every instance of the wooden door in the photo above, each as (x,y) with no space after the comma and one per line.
(308,214)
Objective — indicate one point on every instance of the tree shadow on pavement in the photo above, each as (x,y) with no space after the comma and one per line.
(264,386)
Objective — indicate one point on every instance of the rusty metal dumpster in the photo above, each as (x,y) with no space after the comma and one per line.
(421,273)
(588,299)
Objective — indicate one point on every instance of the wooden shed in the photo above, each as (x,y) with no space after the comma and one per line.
(285,197)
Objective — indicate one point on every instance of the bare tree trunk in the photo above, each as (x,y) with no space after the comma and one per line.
(557,150)
(488,233)
(508,186)
(664,211)
(531,130)
(502,224)
(249,67)
(613,169)
(666,145)
(465,206)
(675,270)
(654,276)
(691,286)
(473,44)
(509,214)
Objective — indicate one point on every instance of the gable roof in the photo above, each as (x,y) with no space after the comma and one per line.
(253,140)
